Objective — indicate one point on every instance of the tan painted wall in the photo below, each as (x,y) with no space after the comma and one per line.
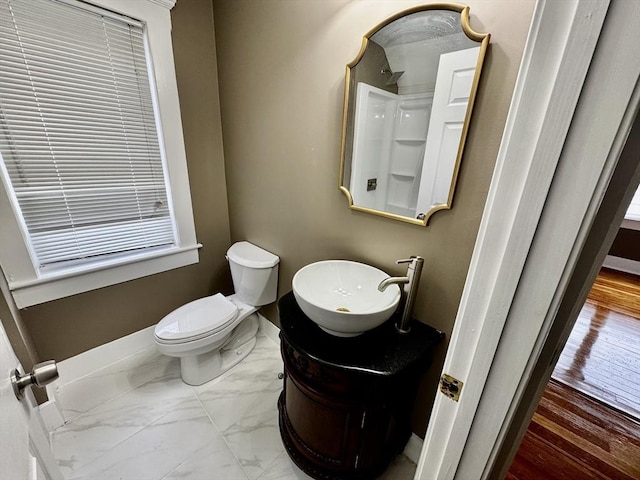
(281,71)
(18,335)
(69,326)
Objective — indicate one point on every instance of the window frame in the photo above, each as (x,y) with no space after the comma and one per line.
(631,222)
(31,287)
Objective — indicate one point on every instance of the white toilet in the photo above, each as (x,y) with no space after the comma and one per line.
(212,334)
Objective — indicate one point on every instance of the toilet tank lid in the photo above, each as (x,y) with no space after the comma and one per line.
(249,255)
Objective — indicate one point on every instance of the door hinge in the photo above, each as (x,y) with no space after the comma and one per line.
(451,387)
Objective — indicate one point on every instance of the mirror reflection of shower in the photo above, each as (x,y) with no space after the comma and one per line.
(406,112)
(392,142)
(393,76)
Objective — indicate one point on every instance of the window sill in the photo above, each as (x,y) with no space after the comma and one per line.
(630,224)
(69,282)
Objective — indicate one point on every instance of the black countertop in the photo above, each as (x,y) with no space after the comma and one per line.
(382,351)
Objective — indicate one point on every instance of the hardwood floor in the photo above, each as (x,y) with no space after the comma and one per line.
(602,355)
(574,435)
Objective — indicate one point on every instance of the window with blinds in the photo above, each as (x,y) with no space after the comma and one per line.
(81,158)
(633,212)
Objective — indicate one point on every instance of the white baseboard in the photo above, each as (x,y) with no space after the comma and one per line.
(269,329)
(51,416)
(622,264)
(85,363)
(88,362)
(414,448)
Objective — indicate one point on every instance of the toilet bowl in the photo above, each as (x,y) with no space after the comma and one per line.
(212,334)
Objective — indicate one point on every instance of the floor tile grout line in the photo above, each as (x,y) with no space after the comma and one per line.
(224,439)
(107,400)
(144,427)
(102,404)
(277,345)
(264,472)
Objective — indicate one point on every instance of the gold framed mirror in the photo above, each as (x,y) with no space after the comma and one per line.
(408,100)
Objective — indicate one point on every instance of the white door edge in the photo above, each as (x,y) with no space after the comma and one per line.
(23,437)
(558,52)
(39,442)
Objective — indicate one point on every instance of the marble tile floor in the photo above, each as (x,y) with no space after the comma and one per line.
(163,429)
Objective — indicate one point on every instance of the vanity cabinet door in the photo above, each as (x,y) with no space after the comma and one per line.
(344,430)
(325,432)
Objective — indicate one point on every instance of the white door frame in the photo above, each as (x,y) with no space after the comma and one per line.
(544,195)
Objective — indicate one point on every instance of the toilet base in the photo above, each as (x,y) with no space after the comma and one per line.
(199,369)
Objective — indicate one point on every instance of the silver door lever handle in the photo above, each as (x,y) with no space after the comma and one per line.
(43,374)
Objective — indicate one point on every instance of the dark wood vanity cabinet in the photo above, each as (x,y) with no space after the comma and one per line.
(346,404)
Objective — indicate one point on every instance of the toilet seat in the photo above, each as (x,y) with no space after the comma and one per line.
(195,320)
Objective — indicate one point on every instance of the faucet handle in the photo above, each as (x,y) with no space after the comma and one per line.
(412,259)
(406,260)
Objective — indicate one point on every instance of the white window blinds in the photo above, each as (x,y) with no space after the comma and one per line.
(633,212)
(78,139)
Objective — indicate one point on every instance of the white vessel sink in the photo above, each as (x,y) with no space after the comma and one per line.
(342,297)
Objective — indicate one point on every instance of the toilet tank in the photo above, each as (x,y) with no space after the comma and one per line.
(254,272)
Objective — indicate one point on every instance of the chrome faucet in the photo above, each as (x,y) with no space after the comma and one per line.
(410,282)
